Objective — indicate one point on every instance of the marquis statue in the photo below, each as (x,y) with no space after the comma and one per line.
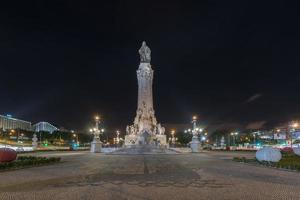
(145,53)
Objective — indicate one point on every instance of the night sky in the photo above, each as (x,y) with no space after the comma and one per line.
(229,63)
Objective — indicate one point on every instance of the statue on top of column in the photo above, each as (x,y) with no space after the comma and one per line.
(145,53)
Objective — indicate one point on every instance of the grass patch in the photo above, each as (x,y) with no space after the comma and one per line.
(28,161)
(289,161)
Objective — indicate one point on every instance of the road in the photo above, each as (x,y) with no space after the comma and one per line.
(208,175)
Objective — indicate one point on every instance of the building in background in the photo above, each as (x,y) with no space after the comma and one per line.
(8,122)
(44,126)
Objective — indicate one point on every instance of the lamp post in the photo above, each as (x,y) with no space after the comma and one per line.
(173,137)
(40,138)
(118,138)
(76,136)
(96,144)
(195,143)
(291,129)
(254,139)
(22,135)
(234,135)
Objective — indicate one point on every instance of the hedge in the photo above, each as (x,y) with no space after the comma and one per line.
(289,161)
(28,161)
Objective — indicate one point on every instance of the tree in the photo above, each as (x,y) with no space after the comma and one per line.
(216,136)
(184,138)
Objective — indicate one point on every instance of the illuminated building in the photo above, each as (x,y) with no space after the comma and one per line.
(44,126)
(8,122)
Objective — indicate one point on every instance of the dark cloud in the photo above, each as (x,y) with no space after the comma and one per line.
(253,98)
(256,125)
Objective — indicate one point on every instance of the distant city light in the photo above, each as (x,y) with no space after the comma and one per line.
(295,125)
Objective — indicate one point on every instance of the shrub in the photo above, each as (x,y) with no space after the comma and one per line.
(288,161)
(25,161)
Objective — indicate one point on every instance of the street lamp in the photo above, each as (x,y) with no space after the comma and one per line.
(291,129)
(195,143)
(96,144)
(22,135)
(76,136)
(173,138)
(295,125)
(195,130)
(118,138)
(234,135)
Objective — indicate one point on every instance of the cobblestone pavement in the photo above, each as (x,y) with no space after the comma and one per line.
(208,175)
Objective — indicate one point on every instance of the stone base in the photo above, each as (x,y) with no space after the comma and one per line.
(96,147)
(195,146)
(133,140)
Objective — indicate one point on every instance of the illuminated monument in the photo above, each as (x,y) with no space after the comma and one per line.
(145,129)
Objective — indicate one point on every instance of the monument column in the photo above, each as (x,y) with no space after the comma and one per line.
(145,128)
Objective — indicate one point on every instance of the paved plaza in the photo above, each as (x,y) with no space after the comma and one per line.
(163,175)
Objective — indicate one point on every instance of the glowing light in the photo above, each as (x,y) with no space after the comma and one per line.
(295,125)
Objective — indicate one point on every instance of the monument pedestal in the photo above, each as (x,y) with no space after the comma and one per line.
(133,140)
(195,145)
(96,146)
(130,140)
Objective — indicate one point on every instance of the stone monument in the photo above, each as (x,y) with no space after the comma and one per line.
(145,129)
